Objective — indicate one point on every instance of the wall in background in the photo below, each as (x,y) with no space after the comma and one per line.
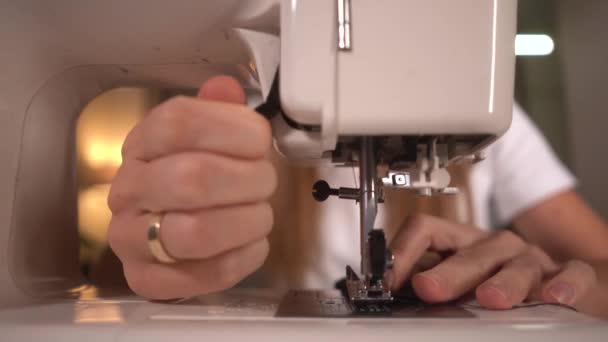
(565,93)
(538,81)
(583,28)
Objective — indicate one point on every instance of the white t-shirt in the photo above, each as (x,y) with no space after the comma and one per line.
(520,171)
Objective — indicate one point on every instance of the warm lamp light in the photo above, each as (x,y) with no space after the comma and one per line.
(104,124)
(103,154)
(94,216)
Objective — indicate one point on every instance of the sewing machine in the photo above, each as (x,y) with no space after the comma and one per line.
(412,85)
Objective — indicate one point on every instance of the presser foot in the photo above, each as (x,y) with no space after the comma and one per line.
(368,296)
(370,292)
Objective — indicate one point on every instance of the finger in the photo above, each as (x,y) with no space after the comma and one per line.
(189,181)
(199,180)
(467,268)
(420,233)
(222,89)
(569,285)
(123,192)
(196,234)
(427,261)
(409,245)
(515,281)
(190,124)
(160,281)
(208,233)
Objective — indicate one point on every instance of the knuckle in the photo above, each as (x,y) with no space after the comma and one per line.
(121,195)
(531,264)
(511,239)
(537,259)
(262,132)
(266,135)
(127,145)
(465,254)
(176,103)
(261,221)
(117,238)
(535,251)
(266,217)
(172,117)
(582,267)
(546,262)
(260,175)
(536,270)
(470,256)
(193,176)
(264,252)
(262,249)
(228,273)
(232,269)
(183,236)
(137,277)
(271,174)
(115,200)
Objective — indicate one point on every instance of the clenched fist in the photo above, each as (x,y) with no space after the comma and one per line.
(199,162)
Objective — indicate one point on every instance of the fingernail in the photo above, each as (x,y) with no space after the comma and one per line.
(563,293)
(432,280)
(497,288)
(428,288)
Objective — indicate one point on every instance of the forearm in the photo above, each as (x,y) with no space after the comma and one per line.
(566,228)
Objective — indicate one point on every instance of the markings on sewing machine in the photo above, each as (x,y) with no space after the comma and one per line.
(331,304)
(401,179)
(397,179)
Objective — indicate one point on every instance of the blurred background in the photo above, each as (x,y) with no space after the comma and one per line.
(561,76)
(102,127)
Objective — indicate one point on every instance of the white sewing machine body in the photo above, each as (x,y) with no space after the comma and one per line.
(448,73)
(421,67)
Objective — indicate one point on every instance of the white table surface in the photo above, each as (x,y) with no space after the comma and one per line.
(247,314)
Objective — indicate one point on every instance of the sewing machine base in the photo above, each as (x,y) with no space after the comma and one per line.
(332,304)
(254,315)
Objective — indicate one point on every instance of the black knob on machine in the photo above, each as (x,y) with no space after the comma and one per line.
(321,191)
